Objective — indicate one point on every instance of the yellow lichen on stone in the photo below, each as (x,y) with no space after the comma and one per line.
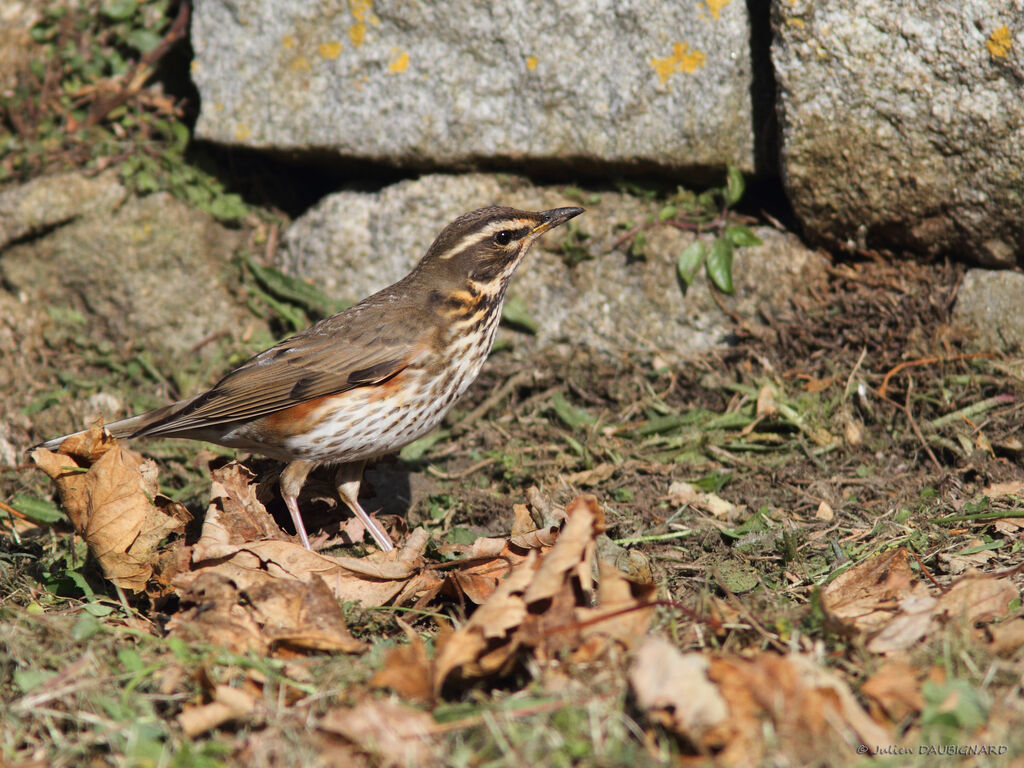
(330,50)
(795,22)
(999,43)
(531,63)
(288,41)
(362,12)
(714,6)
(242,132)
(399,63)
(300,64)
(681,60)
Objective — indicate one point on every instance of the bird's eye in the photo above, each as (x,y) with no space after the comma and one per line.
(503,238)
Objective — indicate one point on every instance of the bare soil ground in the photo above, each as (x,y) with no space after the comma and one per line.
(855,427)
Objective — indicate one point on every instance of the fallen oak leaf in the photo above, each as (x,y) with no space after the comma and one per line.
(675,690)
(228,704)
(893,692)
(108,493)
(866,597)
(573,551)
(408,669)
(807,709)
(882,600)
(394,732)
(543,605)
(491,624)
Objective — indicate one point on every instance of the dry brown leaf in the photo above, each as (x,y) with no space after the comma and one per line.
(491,624)
(866,597)
(522,520)
(305,616)
(542,538)
(543,606)
(234,514)
(1007,637)
(977,598)
(573,553)
(674,689)
(680,493)
(907,626)
(766,403)
(298,615)
(407,669)
(211,612)
(1012,488)
(956,563)
(624,611)
(594,476)
(807,709)
(732,706)
(881,599)
(111,504)
(228,704)
(893,692)
(396,733)
(819,385)
(1008,526)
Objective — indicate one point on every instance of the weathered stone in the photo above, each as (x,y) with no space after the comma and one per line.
(988,310)
(426,84)
(903,124)
(353,244)
(47,201)
(153,272)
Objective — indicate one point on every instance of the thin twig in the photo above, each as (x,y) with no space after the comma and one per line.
(928,361)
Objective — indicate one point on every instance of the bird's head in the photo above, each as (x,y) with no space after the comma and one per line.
(484,247)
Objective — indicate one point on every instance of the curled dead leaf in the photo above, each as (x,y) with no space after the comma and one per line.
(228,704)
(394,732)
(882,600)
(108,493)
(674,689)
(541,605)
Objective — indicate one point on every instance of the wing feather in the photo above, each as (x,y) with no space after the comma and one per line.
(325,359)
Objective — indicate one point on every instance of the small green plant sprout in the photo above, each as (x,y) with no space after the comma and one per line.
(710,214)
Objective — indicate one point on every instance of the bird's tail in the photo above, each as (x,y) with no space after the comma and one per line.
(124,429)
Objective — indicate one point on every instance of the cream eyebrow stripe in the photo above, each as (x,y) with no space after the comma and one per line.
(480,235)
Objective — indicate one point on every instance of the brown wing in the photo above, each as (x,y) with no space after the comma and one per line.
(350,350)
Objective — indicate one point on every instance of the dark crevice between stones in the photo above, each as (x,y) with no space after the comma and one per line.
(765,191)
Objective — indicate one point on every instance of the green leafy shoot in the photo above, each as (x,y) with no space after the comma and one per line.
(705,213)
(690,260)
(719,264)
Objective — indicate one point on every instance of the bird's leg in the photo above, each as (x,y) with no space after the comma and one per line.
(348,480)
(291,481)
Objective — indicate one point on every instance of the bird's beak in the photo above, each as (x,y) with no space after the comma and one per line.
(551,219)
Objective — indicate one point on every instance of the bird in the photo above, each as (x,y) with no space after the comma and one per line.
(369,380)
